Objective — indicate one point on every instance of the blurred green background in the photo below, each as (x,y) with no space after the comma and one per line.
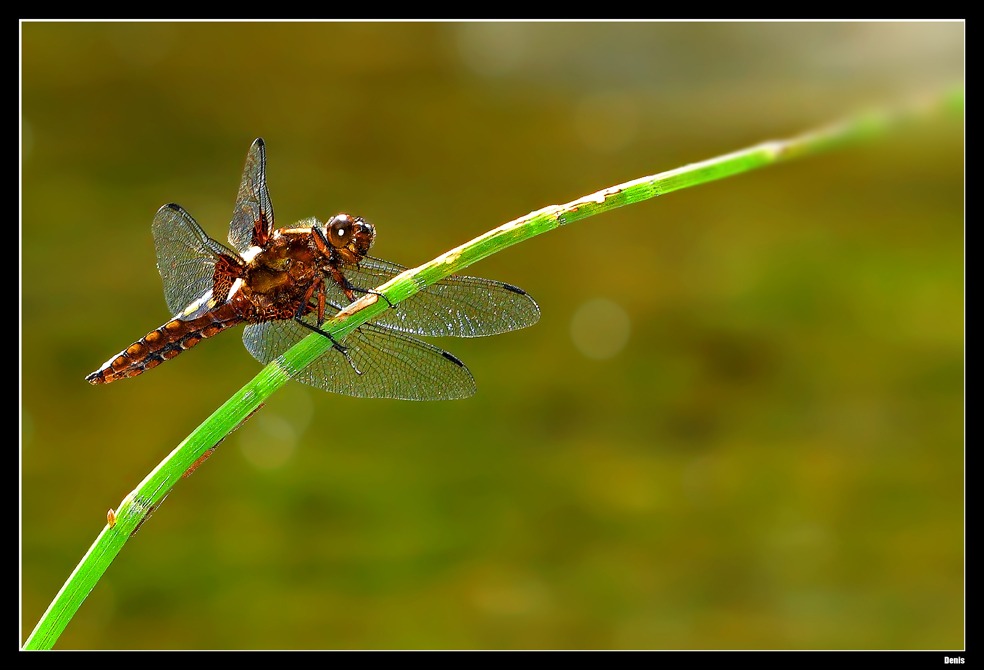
(770,456)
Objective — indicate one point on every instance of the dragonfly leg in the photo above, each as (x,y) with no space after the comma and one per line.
(321,301)
(343,283)
(373,292)
(334,343)
(304,306)
(351,289)
(321,242)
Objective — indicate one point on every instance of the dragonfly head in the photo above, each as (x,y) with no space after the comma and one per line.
(351,236)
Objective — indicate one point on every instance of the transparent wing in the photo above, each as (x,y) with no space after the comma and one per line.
(393,365)
(186,257)
(252,219)
(457,306)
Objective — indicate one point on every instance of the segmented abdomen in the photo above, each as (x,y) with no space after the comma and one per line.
(165,343)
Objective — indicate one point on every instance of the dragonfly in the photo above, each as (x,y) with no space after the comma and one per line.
(284,283)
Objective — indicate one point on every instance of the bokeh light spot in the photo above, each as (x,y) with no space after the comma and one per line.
(267,441)
(600,328)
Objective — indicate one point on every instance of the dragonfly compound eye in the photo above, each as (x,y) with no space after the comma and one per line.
(362,236)
(351,236)
(340,230)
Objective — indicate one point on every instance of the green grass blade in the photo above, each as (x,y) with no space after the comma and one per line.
(147,497)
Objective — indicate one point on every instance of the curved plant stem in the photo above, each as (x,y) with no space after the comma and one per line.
(142,501)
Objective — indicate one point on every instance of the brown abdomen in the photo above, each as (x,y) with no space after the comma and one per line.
(164,344)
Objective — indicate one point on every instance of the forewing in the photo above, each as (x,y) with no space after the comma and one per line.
(392,365)
(186,257)
(252,220)
(456,306)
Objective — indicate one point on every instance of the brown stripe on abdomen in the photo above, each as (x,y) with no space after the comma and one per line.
(164,344)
